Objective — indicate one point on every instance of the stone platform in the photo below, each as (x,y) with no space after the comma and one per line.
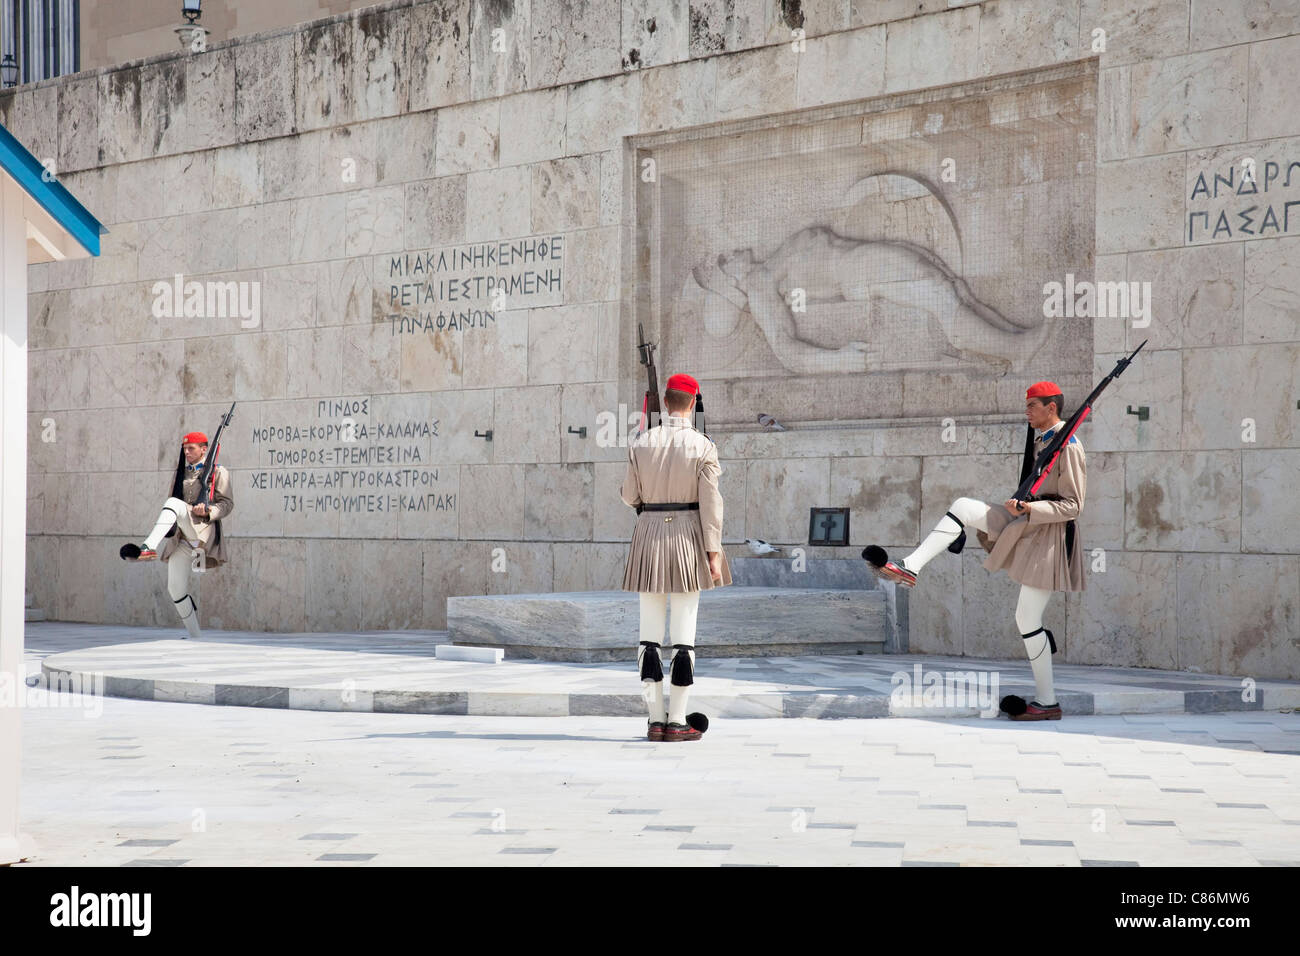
(392,674)
(734,622)
(772,610)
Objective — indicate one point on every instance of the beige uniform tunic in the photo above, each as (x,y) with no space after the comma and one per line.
(211,539)
(673,462)
(1032,548)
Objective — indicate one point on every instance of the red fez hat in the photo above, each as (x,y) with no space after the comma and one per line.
(195,438)
(1043,390)
(683,383)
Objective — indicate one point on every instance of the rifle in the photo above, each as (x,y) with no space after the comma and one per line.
(1042,467)
(208,472)
(650,409)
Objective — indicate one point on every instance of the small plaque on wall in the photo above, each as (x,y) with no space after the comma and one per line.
(828,527)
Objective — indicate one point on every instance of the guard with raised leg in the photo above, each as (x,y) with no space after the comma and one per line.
(189,524)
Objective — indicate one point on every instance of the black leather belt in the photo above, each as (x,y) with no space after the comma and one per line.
(672,506)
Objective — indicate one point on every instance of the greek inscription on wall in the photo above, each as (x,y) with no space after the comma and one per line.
(342,456)
(1246,195)
(471,286)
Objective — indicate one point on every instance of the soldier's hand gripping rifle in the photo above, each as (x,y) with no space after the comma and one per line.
(208,471)
(1042,466)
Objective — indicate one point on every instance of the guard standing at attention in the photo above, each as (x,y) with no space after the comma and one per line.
(676,550)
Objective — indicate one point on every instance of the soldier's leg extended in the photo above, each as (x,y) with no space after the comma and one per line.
(681,625)
(178,586)
(1040,645)
(174,512)
(654,612)
(949,534)
(963,513)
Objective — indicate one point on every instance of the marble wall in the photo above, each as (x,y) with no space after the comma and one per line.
(366,177)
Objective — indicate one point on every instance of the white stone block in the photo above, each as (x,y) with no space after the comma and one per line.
(1140,203)
(842,67)
(601,112)
(573,42)
(468,138)
(932,50)
(533,126)
(1272,292)
(1181,102)
(479,655)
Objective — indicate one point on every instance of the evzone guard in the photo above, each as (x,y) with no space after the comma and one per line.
(1032,535)
(1033,539)
(190,522)
(676,550)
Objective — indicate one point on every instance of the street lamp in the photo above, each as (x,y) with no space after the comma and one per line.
(192,36)
(9,70)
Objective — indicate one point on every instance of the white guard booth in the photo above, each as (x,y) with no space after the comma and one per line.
(40,221)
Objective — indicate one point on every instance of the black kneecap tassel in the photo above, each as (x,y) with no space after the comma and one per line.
(652,667)
(1051,641)
(683,673)
(960,541)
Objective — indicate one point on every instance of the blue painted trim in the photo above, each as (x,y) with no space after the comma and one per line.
(53,197)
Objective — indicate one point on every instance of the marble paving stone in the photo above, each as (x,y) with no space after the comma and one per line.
(748,688)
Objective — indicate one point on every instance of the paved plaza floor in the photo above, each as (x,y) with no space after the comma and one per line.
(398,673)
(153,783)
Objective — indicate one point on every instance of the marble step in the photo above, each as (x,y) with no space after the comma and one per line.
(732,622)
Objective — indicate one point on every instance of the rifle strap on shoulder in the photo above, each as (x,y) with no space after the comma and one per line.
(1027,464)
